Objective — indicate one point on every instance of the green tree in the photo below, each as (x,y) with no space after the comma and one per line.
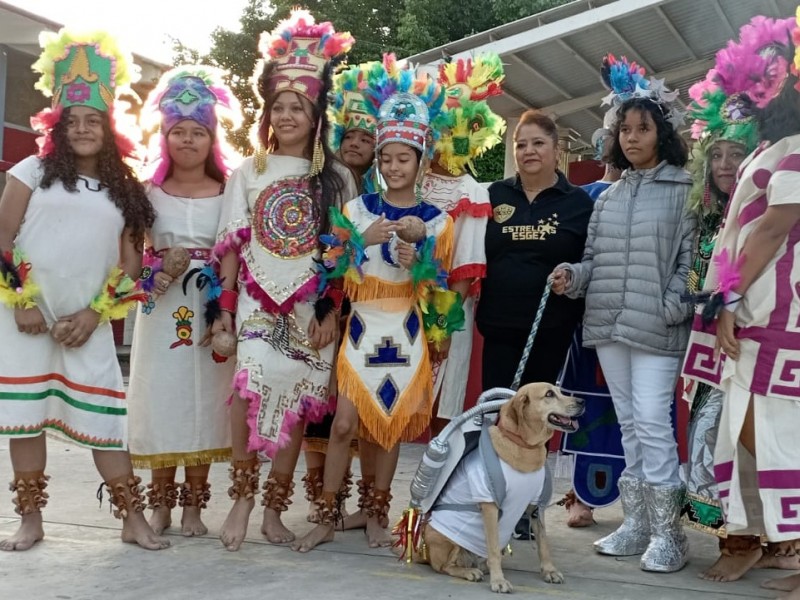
(491,166)
(405,27)
(506,11)
(427,24)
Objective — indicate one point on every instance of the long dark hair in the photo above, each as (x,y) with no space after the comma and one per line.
(781,117)
(124,188)
(670,146)
(327,185)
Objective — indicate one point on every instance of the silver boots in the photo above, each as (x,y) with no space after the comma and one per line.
(667,551)
(633,535)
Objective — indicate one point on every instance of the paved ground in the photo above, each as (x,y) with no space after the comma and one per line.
(82,559)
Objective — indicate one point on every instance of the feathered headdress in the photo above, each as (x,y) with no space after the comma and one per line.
(627,80)
(748,73)
(758,61)
(346,106)
(297,57)
(467,126)
(475,80)
(404,105)
(195,92)
(82,69)
(300,50)
(796,41)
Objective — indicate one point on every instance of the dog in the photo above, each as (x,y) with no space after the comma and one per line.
(525,424)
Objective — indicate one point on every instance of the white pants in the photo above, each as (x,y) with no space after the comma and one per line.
(642,387)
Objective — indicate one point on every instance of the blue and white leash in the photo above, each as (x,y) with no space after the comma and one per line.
(532,335)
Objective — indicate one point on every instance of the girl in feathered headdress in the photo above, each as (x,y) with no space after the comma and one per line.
(398,305)
(467,128)
(171,357)
(275,208)
(73,220)
(744,338)
(352,139)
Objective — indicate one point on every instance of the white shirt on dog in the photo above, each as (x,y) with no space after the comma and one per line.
(469,485)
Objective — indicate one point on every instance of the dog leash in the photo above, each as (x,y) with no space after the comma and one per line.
(532,335)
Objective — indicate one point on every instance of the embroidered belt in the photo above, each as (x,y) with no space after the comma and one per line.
(194,253)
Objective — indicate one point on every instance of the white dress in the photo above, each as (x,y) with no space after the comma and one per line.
(383,363)
(467,202)
(178,389)
(72,241)
(268,221)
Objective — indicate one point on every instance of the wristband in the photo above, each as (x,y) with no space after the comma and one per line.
(732,300)
(228,299)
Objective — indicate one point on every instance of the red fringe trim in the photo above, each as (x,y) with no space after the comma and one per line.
(465,205)
(470,271)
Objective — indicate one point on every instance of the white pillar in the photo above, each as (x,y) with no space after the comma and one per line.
(510,168)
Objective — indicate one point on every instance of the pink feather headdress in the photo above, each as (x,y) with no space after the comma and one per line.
(198,93)
(758,62)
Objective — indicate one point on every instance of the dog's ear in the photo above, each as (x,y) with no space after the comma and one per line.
(510,410)
(516,411)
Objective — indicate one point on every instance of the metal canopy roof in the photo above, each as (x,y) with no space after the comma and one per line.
(552,60)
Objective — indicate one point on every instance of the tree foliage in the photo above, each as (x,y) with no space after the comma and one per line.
(405,27)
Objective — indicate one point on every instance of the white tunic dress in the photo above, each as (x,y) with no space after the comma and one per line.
(467,202)
(178,389)
(268,221)
(72,241)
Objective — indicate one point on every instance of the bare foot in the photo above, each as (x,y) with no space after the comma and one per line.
(580,515)
(30,531)
(731,568)
(234,529)
(161,519)
(784,584)
(135,530)
(321,534)
(377,536)
(313,513)
(273,528)
(770,561)
(357,520)
(191,525)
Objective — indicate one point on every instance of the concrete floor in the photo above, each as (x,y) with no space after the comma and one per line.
(82,559)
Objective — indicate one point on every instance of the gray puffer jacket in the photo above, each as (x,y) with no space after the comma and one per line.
(636,261)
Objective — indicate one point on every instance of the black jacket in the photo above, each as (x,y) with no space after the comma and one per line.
(524,243)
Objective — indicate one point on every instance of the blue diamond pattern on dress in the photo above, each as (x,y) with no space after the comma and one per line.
(387,391)
(412,325)
(356,329)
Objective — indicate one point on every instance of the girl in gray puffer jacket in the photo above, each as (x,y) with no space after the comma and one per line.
(633,273)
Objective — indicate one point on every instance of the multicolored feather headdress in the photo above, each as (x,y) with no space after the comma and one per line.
(404,105)
(627,80)
(82,69)
(467,126)
(747,74)
(347,107)
(300,49)
(194,92)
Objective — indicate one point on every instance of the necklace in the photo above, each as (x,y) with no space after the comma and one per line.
(536,190)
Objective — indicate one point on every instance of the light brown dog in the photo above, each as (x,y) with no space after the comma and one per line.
(525,424)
